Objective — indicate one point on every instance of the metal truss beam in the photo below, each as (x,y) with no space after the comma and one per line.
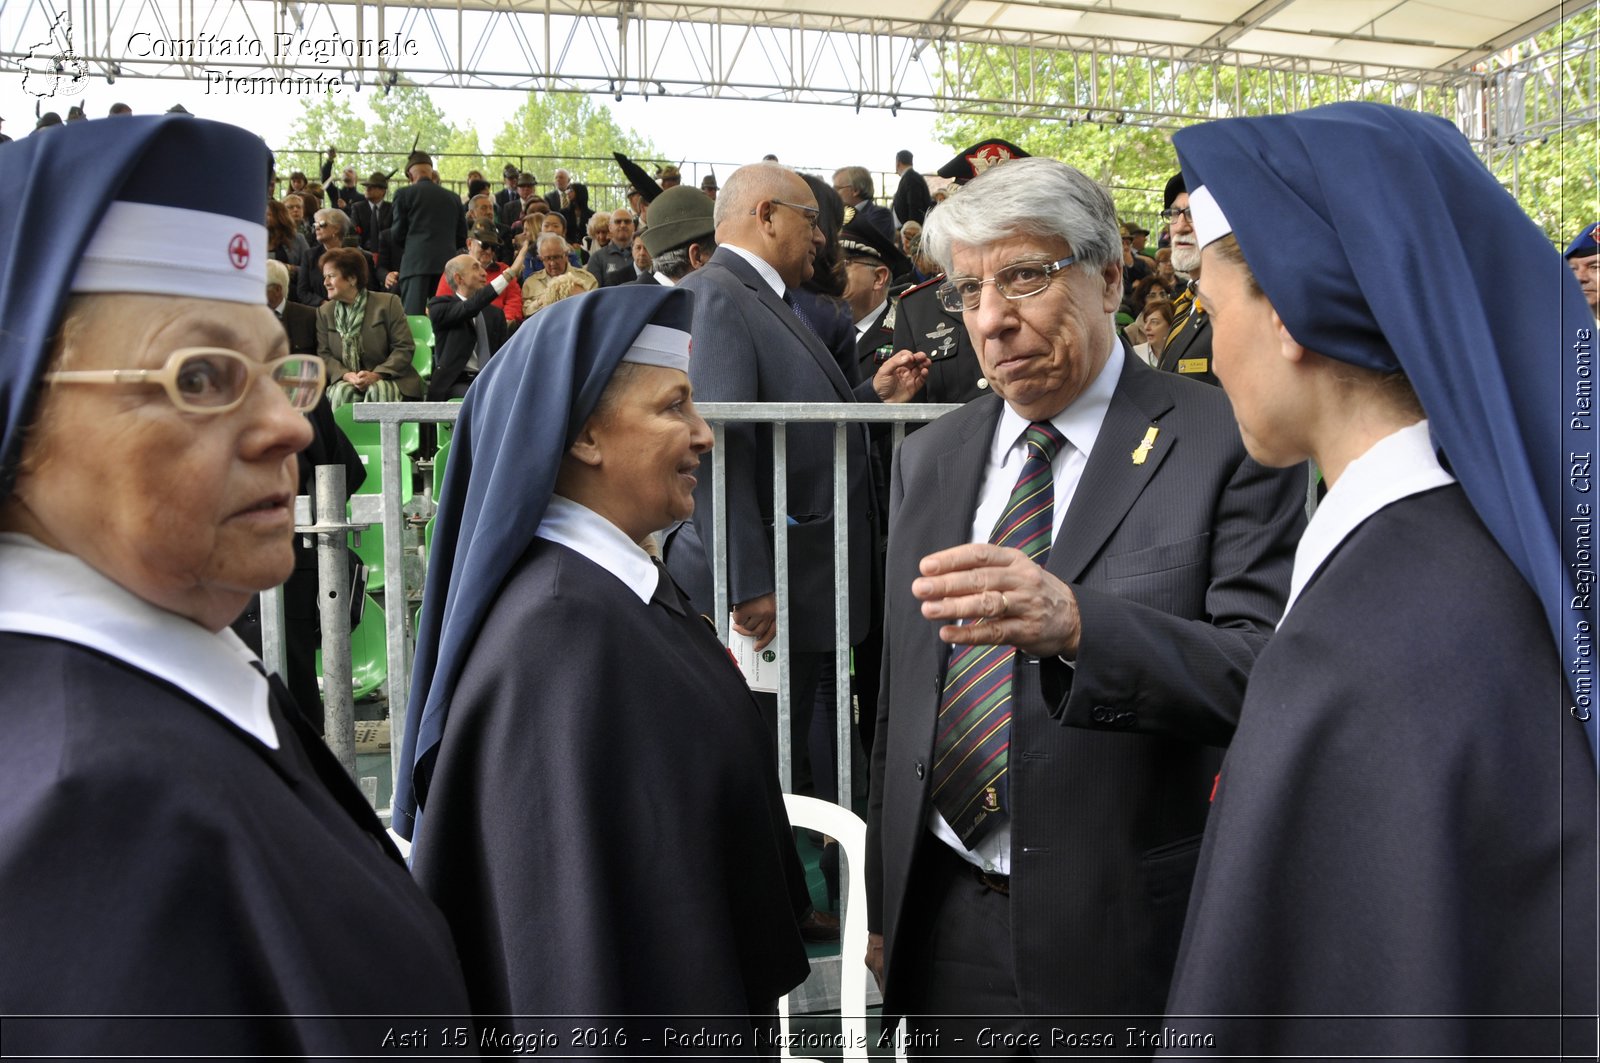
(701,50)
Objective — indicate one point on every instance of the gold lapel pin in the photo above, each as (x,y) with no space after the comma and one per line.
(1142,451)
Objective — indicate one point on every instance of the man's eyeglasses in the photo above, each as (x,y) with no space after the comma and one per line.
(1016,281)
(811,213)
(211,380)
(1174,212)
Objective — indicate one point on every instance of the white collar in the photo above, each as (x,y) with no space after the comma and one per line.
(1081,420)
(872,318)
(768,275)
(664,279)
(1398,466)
(581,529)
(56,595)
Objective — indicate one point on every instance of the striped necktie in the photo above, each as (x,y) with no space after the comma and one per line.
(1182,307)
(974,733)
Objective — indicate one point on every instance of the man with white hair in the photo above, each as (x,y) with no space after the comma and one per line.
(1188,349)
(467,327)
(1028,856)
(553,256)
(299,322)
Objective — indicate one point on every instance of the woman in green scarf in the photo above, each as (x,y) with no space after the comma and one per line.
(363,336)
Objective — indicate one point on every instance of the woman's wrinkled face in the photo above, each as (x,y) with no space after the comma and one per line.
(191,512)
(650,439)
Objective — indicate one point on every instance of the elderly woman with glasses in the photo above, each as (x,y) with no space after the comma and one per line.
(186,869)
(1400,857)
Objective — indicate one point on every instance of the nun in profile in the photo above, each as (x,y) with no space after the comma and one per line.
(1400,858)
(591,791)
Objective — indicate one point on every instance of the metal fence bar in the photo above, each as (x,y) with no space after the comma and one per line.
(333,603)
(395,600)
(719,524)
(780,572)
(844,719)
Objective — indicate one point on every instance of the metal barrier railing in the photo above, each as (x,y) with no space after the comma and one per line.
(388,511)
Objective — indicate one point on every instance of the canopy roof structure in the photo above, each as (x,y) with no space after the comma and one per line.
(1151,62)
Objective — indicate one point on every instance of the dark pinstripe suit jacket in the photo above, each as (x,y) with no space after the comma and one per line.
(751,347)
(1180,566)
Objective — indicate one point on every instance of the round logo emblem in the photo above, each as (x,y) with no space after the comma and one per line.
(239,251)
(768,656)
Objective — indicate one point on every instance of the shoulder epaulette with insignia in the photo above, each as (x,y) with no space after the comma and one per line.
(935,279)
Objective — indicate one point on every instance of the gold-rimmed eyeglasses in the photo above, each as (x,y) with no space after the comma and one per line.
(1016,281)
(209,380)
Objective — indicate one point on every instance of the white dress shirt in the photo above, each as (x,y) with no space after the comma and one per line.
(1398,466)
(1080,423)
(46,592)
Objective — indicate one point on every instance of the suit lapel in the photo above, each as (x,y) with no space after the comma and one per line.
(1114,478)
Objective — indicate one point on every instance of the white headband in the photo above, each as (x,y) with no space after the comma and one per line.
(662,346)
(1209,221)
(156,250)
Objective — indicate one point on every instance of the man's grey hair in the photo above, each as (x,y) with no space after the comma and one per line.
(1027,197)
(857,178)
(452,271)
(340,219)
(674,264)
(748,186)
(555,240)
(474,200)
(277,273)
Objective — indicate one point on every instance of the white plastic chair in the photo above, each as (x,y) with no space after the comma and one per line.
(850,832)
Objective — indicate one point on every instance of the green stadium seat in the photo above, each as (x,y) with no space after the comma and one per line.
(369,652)
(368,433)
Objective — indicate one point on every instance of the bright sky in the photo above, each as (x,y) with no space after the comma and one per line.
(724,132)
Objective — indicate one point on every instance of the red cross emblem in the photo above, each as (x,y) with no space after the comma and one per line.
(239,251)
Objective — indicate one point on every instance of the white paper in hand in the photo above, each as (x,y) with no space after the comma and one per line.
(760,667)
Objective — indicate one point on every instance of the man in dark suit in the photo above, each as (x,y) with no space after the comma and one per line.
(373,216)
(467,327)
(570,199)
(911,197)
(1188,349)
(613,263)
(429,226)
(299,321)
(854,185)
(1019,868)
(766,238)
(507,195)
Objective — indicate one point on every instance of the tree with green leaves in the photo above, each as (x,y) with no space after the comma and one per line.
(1553,179)
(574,132)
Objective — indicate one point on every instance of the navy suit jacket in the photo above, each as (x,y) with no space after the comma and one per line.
(1180,564)
(762,352)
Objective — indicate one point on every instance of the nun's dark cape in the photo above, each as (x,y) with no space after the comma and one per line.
(600,816)
(169,886)
(1400,859)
